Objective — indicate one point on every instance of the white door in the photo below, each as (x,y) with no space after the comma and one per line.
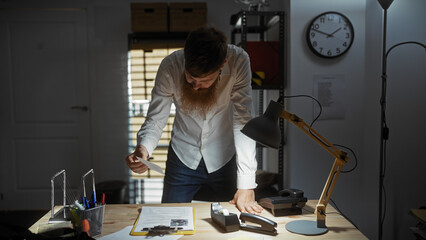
(45,112)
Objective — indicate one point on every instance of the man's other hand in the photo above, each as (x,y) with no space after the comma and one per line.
(244,200)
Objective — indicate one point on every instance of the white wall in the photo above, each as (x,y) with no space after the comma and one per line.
(308,163)
(405,180)
(356,193)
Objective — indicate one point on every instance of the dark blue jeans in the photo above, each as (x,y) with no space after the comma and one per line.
(182,184)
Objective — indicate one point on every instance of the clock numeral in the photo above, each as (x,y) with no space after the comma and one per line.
(314,43)
(322,19)
(312,34)
(320,49)
(337,50)
(348,35)
(316,26)
(345,44)
(329,53)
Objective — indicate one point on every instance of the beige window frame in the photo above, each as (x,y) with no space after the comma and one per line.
(143,64)
(143,67)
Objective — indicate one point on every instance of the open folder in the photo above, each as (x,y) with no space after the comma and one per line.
(164,220)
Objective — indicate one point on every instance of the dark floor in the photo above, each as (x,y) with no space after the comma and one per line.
(14,224)
(21,218)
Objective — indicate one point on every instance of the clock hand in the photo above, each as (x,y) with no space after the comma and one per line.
(331,34)
(320,32)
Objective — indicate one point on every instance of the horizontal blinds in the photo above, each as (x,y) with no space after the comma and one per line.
(143,67)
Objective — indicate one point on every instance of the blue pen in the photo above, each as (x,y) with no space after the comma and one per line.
(94,198)
(85,203)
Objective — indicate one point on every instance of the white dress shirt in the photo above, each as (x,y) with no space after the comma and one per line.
(215,137)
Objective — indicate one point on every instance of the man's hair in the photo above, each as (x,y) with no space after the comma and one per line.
(205,51)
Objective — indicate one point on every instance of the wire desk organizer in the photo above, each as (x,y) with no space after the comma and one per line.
(86,216)
(63,214)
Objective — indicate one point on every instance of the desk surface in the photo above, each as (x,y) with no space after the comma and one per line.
(118,216)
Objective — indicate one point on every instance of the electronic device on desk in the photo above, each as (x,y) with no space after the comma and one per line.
(289,202)
(229,222)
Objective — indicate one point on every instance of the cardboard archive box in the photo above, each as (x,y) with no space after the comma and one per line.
(149,17)
(185,17)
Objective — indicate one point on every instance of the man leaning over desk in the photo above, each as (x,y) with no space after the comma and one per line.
(209,81)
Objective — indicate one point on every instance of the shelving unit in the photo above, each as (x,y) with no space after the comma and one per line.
(259,23)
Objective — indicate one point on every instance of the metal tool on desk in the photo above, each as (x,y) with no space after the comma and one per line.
(230,222)
(227,221)
(63,214)
(161,230)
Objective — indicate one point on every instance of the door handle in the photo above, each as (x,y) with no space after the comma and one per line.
(82,108)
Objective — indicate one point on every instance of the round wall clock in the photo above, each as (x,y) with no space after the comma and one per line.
(330,34)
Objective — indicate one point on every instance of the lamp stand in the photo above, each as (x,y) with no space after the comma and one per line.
(264,130)
(384,130)
(317,227)
(305,227)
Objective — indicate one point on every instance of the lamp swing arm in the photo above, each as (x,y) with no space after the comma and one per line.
(337,153)
(340,159)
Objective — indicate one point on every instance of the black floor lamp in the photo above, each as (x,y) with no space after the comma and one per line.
(384,130)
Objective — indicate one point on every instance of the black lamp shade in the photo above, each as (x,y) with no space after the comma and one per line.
(265,129)
(385,3)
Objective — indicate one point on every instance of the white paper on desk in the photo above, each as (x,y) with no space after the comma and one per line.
(151,165)
(182,217)
(124,234)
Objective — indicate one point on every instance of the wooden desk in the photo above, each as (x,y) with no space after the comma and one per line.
(118,216)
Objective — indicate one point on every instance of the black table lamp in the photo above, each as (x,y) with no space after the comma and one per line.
(265,130)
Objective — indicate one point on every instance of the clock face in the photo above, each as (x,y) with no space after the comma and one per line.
(330,35)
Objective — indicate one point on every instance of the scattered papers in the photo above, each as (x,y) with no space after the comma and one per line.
(174,217)
(124,234)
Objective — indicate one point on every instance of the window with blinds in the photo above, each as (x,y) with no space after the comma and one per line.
(142,68)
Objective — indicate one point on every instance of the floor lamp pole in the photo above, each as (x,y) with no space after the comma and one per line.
(384,130)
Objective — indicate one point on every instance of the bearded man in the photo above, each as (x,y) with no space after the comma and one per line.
(209,81)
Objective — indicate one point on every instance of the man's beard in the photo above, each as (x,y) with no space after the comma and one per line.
(198,101)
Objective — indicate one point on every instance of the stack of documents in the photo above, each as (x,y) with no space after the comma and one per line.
(180,218)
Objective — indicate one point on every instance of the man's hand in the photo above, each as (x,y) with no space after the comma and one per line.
(134,164)
(244,200)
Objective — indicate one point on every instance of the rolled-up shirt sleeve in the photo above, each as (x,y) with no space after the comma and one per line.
(245,147)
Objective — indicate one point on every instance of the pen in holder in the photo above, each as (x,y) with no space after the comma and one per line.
(63,214)
(89,218)
(83,179)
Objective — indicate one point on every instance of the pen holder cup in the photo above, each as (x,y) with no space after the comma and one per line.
(90,220)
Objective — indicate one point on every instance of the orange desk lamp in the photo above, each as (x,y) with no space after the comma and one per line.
(265,130)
